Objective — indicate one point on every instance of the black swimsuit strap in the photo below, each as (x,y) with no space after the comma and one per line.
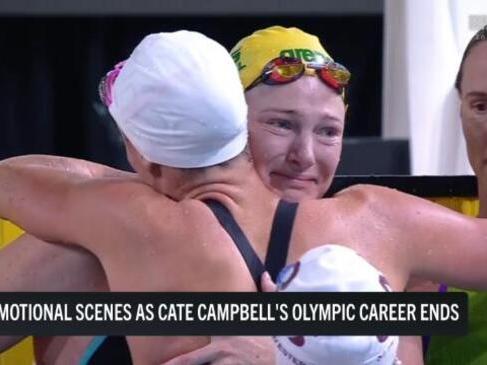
(227,221)
(115,347)
(282,227)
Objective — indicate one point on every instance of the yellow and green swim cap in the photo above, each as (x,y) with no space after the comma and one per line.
(252,53)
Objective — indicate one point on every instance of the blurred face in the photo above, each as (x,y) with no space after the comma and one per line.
(474,106)
(296,133)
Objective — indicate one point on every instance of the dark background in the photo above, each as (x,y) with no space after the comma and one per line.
(50,68)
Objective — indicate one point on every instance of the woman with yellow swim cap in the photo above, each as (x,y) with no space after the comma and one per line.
(296,126)
(296,122)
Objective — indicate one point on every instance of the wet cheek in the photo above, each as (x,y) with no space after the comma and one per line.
(257,148)
(274,148)
(328,162)
(264,161)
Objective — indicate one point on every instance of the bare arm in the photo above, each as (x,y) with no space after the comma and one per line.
(69,165)
(29,264)
(433,242)
(34,265)
(56,206)
(59,206)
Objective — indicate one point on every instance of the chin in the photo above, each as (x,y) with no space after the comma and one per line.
(292,195)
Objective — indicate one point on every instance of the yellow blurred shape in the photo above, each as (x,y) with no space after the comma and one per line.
(23,352)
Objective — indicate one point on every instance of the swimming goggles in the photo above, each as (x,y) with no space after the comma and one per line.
(283,70)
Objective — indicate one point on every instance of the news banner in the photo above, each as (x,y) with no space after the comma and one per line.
(137,313)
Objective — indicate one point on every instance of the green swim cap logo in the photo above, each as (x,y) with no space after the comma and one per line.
(236,58)
(306,55)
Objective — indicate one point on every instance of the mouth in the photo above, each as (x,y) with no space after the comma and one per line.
(300,179)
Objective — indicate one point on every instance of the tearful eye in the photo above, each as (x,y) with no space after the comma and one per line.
(329,132)
(280,123)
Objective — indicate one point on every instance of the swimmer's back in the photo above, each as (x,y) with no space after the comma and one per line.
(162,245)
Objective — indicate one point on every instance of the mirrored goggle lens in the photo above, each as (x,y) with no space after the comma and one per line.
(287,71)
(342,76)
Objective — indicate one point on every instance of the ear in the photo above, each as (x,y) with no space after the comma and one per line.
(138,161)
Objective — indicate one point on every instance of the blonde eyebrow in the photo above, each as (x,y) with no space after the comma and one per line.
(280,111)
(294,112)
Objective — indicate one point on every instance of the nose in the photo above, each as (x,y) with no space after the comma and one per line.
(301,154)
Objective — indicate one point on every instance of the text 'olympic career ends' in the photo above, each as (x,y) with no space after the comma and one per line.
(245,312)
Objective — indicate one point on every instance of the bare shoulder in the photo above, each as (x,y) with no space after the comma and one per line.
(117,194)
(189,221)
(176,221)
(104,209)
(378,204)
(368,192)
(123,187)
(198,248)
(382,199)
(356,197)
(401,211)
(180,216)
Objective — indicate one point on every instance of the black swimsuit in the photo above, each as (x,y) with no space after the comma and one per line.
(115,350)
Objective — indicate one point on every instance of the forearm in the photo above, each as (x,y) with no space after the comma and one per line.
(34,197)
(68,165)
(44,199)
(30,264)
(60,207)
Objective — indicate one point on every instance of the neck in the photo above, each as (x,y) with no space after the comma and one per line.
(233,185)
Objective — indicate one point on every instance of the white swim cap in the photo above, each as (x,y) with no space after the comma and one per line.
(334,268)
(179,100)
